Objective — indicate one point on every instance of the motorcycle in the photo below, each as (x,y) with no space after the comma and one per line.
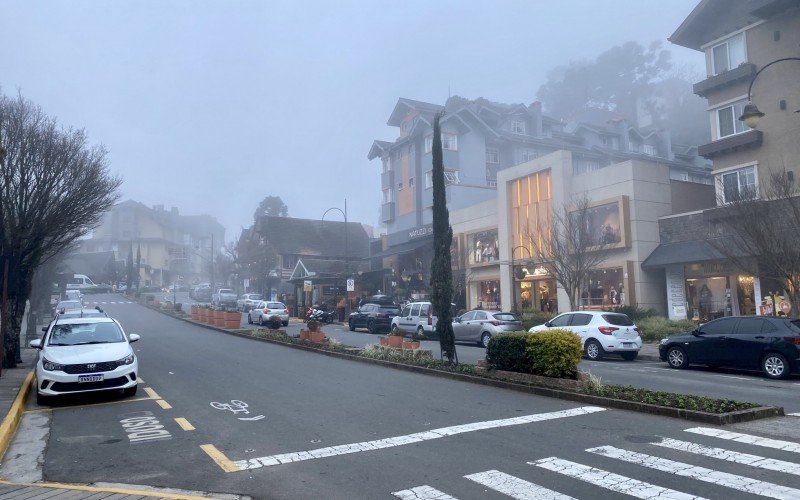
(319,315)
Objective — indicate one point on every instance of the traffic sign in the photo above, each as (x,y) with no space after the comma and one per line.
(308,286)
(351,285)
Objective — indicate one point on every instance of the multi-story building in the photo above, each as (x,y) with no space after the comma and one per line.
(481,138)
(739,39)
(171,245)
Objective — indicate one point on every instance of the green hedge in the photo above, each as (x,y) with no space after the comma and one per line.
(535,317)
(658,327)
(636,314)
(553,353)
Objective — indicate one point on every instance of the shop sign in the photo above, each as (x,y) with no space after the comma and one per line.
(308,286)
(420,232)
(717,268)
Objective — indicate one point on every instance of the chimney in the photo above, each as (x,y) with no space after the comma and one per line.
(536,117)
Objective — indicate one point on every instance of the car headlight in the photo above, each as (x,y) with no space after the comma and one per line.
(664,341)
(127,360)
(50,366)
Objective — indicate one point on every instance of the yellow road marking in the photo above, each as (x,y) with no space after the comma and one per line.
(224,462)
(41,410)
(121,491)
(10,423)
(185,425)
(153,394)
(163,404)
(139,380)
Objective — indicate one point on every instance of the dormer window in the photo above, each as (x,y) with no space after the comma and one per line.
(518,126)
(728,54)
(449,142)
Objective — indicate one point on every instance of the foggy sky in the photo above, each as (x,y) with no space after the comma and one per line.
(210,106)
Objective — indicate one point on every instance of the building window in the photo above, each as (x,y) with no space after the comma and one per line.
(518,127)
(428,179)
(410,182)
(400,186)
(530,209)
(582,166)
(737,185)
(407,125)
(728,122)
(605,288)
(387,165)
(451,177)
(483,247)
(492,155)
(649,149)
(728,54)
(387,196)
(603,224)
(529,154)
(449,142)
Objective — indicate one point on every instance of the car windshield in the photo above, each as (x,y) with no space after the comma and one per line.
(85,333)
(255,297)
(794,325)
(618,319)
(393,310)
(505,317)
(276,305)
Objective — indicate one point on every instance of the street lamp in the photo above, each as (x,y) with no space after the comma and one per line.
(751,114)
(346,252)
(514,275)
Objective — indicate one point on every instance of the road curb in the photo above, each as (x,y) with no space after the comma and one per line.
(11,421)
(693,415)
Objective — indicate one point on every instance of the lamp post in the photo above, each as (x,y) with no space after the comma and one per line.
(514,275)
(751,114)
(346,253)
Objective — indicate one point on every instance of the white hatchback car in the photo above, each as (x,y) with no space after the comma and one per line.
(262,311)
(601,332)
(84,355)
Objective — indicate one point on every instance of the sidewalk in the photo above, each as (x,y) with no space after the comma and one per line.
(649,352)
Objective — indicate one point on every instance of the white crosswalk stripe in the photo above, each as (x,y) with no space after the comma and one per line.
(423,492)
(515,487)
(611,481)
(747,439)
(740,483)
(732,456)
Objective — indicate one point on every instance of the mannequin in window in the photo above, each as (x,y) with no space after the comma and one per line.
(706,299)
(613,295)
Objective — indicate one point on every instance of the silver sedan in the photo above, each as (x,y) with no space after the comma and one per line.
(480,326)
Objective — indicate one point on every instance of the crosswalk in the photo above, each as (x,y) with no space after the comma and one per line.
(680,469)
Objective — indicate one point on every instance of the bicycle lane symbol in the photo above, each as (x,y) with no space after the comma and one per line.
(237,407)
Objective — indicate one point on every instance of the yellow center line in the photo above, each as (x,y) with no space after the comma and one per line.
(153,394)
(217,456)
(185,425)
(41,410)
(163,404)
(139,380)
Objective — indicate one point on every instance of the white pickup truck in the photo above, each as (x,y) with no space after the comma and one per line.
(224,297)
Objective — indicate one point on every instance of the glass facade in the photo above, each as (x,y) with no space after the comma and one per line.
(530,208)
(604,289)
(489,295)
(538,294)
(603,224)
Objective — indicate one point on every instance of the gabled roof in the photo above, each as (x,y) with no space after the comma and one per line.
(712,19)
(378,149)
(404,105)
(310,237)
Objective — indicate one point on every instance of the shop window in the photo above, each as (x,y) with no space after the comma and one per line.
(483,247)
(603,224)
(604,289)
(489,295)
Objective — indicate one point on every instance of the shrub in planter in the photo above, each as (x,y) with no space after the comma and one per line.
(313,325)
(636,314)
(554,353)
(507,352)
(274,322)
(658,327)
(535,317)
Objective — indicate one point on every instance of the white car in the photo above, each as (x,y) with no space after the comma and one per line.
(263,310)
(601,332)
(248,301)
(84,355)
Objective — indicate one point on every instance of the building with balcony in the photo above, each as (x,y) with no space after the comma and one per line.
(480,139)
(738,39)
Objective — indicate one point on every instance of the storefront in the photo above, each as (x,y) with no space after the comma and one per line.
(605,288)
(489,295)
(482,247)
(538,294)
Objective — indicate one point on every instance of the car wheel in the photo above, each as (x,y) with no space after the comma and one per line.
(676,358)
(130,391)
(593,350)
(285,323)
(42,400)
(485,337)
(395,328)
(629,356)
(262,321)
(249,319)
(371,328)
(420,331)
(775,365)
(351,326)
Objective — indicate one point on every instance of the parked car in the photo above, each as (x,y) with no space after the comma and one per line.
(480,326)
(417,317)
(66,305)
(224,297)
(248,301)
(752,342)
(376,318)
(601,333)
(73,295)
(79,282)
(264,309)
(97,312)
(84,355)
(201,294)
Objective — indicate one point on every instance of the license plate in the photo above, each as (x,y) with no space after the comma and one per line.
(90,378)
(627,344)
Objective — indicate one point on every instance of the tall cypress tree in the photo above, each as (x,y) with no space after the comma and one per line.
(441,270)
(138,264)
(129,270)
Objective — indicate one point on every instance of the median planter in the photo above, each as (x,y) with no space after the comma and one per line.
(304,334)
(195,313)
(394,341)
(316,337)
(219,319)
(233,320)
(411,344)
(384,341)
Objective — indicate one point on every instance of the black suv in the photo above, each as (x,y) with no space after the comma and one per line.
(750,342)
(375,318)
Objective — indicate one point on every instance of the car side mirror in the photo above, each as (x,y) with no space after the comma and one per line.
(458,319)
(133,337)
(36,343)
(548,324)
(697,333)
(44,329)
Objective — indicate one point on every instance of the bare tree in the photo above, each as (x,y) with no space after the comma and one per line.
(569,247)
(758,234)
(54,188)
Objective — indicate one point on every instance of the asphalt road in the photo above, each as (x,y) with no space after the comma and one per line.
(416,433)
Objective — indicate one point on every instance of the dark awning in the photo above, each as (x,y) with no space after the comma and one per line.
(406,247)
(683,252)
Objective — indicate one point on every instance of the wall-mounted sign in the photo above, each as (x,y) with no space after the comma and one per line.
(308,286)
(420,232)
(351,285)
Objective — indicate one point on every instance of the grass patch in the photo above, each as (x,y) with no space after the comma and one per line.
(655,328)
(669,399)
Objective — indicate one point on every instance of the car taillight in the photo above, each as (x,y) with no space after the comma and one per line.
(793,340)
(285,311)
(637,330)
(266,311)
(607,330)
(430,316)
(496,323)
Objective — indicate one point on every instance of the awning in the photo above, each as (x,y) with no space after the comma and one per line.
(402,248)
(682,252)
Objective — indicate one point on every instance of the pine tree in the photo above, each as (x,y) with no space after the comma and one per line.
(441,270)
